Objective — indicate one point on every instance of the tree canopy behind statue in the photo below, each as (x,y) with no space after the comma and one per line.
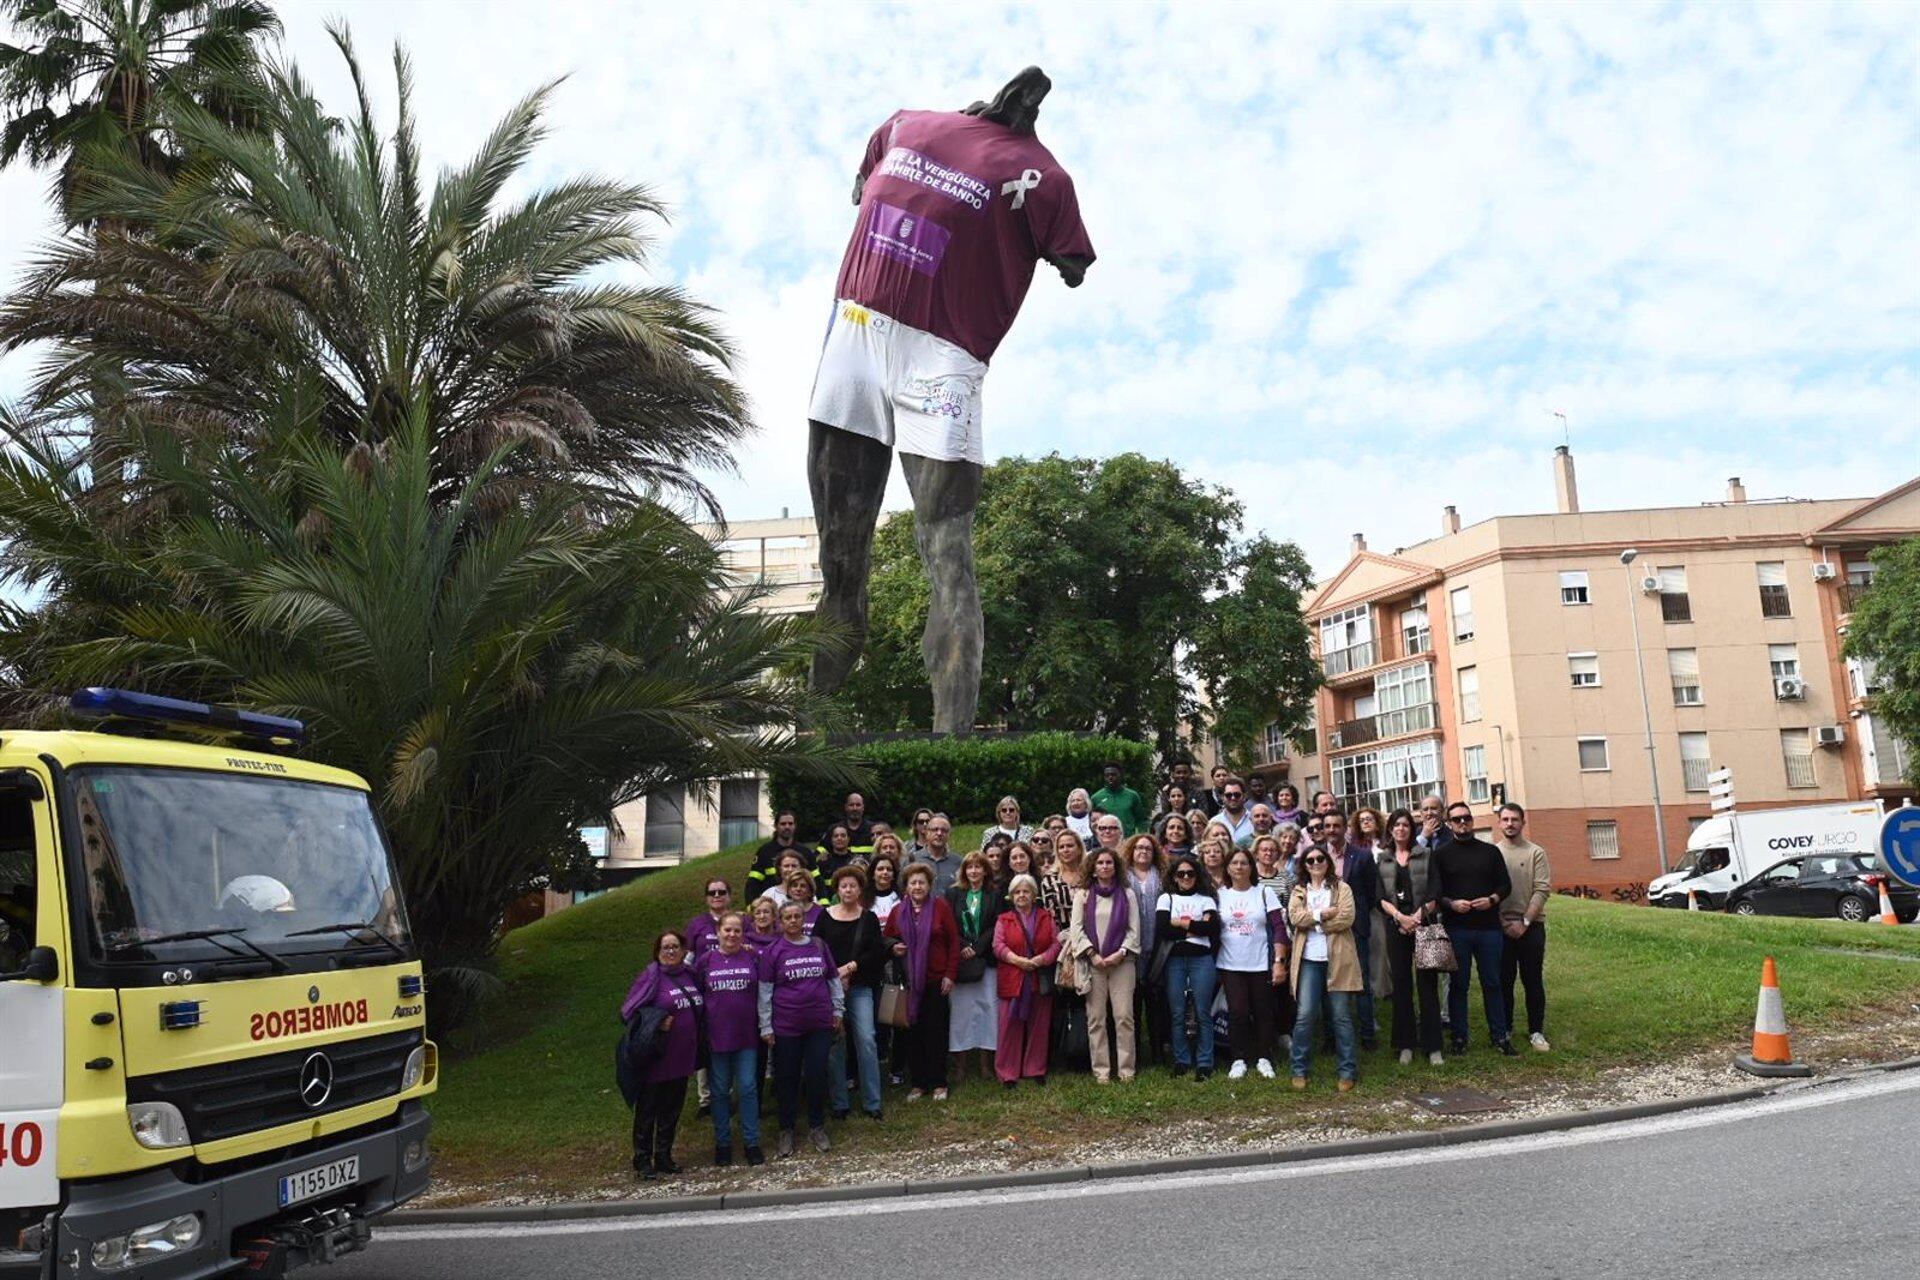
(1100,580)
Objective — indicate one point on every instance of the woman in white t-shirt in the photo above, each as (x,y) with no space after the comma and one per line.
(1187,920)
(1252,961)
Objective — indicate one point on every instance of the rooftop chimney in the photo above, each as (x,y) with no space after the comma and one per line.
(1736,492)
(1449,520)
(1565,493)
(1359,543)
(783,513)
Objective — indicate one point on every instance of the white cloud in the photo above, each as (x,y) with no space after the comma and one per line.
(1365,248)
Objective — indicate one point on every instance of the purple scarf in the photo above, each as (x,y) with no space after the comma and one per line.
(1116,919)
(916,930)
(1023,1002)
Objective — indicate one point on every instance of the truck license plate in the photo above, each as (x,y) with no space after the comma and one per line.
(311,1184)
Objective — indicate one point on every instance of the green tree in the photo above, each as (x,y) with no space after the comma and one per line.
(500,675)
(1105,586)
(312,252)
(91,76)
(1885,630)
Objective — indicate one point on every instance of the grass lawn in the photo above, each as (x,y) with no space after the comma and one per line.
(527,1092)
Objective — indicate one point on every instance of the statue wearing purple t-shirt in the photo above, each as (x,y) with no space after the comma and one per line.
(956,209)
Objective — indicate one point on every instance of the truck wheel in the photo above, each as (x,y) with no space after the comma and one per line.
(1852,907)
(1744,907)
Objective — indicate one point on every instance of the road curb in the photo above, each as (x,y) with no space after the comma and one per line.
(1489,1131)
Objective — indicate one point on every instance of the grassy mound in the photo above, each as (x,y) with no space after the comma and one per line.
(528,1093)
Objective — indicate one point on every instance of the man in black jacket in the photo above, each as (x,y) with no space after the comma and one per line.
(1468,882)
(766,862)
(859,827)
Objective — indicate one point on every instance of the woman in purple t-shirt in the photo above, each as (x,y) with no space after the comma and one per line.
(668,983)
(801,1003)
(730,980)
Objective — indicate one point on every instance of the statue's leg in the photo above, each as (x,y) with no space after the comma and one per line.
(944,496)
(847,474)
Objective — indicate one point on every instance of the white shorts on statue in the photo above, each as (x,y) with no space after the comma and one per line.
(898,385)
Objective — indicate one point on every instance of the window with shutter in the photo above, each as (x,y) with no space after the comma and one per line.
(1674,604)
(1573,586)
(1683,668)
(1585,670)
(1774,603)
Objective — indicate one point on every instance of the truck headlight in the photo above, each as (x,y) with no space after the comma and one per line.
(153,1241)
(158,1125)
(416,1069)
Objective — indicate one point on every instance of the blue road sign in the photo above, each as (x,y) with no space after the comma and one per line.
(1900,845)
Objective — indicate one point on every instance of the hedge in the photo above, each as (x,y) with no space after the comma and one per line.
(965,777)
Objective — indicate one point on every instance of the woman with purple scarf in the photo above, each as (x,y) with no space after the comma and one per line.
(927,938)
(1105,934)
(801,1004)
(668,983)
(1028,945)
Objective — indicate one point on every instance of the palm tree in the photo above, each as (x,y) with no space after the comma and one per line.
(500,676)
(313,253)
(93,73)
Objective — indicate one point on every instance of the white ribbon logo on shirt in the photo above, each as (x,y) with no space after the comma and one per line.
(1018,187)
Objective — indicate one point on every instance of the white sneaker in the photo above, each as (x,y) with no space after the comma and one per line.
(1265,1068)
(1539,1042)
(1238,1070)
(1437,1058)
(1406,1057)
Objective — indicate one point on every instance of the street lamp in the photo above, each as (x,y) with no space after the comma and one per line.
(1646,709)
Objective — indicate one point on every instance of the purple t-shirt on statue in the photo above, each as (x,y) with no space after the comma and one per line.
(732,986)
(676,990)
(802,993)
(955,212)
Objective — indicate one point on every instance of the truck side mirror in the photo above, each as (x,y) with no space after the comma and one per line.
(22,783)
(42,966)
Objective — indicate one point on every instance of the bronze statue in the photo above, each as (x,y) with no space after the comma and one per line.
(956,207)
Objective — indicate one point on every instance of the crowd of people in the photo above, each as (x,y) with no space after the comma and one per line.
(1111,936)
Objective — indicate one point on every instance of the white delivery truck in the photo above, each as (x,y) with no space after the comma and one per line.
(1731,848)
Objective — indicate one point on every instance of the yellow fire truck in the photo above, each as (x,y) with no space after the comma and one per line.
(213,1052)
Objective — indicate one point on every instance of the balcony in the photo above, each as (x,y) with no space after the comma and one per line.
(1418,718)
(1694,773)
(1339,662)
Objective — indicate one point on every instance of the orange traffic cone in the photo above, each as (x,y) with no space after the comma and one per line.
(1771,1054)
(1693,899)
(1887,915)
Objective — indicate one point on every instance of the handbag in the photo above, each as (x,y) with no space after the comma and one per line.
(893,1009)
(1433,949)
(1157,962)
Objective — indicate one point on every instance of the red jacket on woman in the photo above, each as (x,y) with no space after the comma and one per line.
(943,950)
(1010,939)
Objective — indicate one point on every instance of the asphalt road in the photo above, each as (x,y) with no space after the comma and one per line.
(1813,1183)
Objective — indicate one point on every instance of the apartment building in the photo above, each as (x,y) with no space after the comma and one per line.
(667,827)
(1499,660)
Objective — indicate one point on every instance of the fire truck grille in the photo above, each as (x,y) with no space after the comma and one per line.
(251,1094)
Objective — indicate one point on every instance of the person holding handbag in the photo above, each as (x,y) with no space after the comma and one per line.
(1326,963)
(976,904)
(669,984)
(1027,946)
(1187,927)
(730,980)
(1252,961)
(1405,868)
(1058,885)
(1105,936)
(926,938)
(852,934)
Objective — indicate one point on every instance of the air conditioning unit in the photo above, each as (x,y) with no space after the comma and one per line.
(1789,688)
(1829,735)
(1650,585)
(1824,572)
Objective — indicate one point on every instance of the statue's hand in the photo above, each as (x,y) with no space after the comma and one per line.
(1072,269)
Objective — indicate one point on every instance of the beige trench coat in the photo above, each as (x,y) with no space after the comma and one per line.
(1343,957)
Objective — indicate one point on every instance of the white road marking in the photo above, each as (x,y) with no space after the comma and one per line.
(1798,1098)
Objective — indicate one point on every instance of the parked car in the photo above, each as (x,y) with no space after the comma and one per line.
(1846,886)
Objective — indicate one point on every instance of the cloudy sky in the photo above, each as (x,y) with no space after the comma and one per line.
(1352,259)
